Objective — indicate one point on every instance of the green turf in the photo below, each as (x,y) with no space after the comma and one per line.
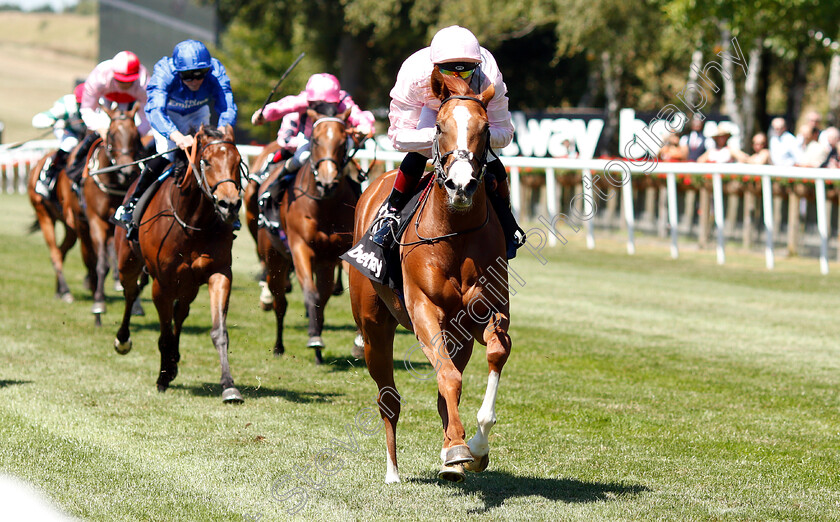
(639,388)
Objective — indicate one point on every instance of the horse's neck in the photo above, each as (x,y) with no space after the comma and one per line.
(191,204)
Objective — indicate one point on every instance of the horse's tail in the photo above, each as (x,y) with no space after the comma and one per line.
(34,227)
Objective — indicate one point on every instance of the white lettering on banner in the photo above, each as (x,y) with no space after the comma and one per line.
(367,260)
(648,138)
(541,137)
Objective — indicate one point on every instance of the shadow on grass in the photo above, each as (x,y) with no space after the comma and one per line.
(326,327)
(208,389)
(495,487)
(12,382)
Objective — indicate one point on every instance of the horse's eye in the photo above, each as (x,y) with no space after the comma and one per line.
(204,164)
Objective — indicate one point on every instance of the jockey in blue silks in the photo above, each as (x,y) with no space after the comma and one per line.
(179,94)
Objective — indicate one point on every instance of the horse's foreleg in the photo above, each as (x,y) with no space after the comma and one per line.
(277,273)
(164,302)
(498,349)
(99,240)
(439,348)
(303,257)
(219,285)
(129,268)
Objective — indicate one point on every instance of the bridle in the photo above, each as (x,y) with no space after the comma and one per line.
(112,155)
(439,160)
(201,176)
(339,165)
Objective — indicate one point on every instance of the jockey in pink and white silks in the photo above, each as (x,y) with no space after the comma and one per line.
(455,51)
(68,128)
(323,93)
(120,80)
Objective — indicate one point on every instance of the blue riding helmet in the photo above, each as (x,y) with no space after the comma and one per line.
(190,55)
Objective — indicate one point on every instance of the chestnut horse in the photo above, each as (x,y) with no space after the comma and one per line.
(185,240)
(68,211)
(103,192)
(452,255)
(316,212)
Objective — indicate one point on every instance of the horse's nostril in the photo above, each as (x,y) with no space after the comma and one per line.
(450,184)
(471,186)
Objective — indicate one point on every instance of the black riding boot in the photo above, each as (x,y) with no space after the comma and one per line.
(274,192)
(74,171)
(45,186)
(500,199)
(125,213)
(384,227)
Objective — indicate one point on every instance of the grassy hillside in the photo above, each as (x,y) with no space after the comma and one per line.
(41,55)
(639,388)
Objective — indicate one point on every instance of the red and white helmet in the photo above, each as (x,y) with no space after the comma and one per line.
(455,44)
(323,87)
(78,92)
(126,66)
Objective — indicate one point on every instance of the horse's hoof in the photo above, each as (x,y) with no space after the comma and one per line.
(118,287)
(338,290)
(457,455)
(161,388)
(66,297)
(279,350)
(358,350)
(122,348)
(266,297)
(477,466)
(232,396)
(98,307)
(137,308)
(452,473)
(315,342)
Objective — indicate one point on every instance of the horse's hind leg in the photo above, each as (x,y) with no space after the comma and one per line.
(277,275)
(219,285)
(498,350)
(167,342)
(57,253)
(131,292)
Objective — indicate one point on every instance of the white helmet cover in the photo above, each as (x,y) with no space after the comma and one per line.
(455,44)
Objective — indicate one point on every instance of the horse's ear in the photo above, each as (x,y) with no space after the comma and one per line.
(487,94)
(439,88)
(346,114)
(228,130)
(110,112)
(133,110)
(312,114)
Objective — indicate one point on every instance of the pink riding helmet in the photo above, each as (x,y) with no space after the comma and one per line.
(323,87)
(455,44)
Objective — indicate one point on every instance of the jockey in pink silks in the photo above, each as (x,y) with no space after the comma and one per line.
(120,80)
(454,51)
(323,93)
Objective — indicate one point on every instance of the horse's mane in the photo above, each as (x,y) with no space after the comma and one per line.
(213,132)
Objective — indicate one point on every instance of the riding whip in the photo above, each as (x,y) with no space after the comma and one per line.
(299,58)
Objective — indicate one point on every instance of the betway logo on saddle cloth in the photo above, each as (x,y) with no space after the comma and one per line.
(577,134)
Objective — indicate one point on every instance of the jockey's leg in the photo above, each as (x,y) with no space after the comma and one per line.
(125,213)
(499,196)
(280,155)
(274,191)
(408,176)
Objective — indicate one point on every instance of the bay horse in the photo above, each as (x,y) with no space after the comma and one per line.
(68,211)
(452,257)
(185,240)
(316,213)
(104,192)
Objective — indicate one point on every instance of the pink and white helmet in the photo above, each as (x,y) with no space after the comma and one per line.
(455,44)
(323,87)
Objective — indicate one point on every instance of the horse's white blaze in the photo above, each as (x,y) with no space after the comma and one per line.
(391,473)
(486,418)
(461,172)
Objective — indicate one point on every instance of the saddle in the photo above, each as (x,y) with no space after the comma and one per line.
(144,200)
(372,260)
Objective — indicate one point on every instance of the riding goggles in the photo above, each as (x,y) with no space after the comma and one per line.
(461,69)
(195,74)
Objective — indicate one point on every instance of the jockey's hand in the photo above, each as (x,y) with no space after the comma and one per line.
(258,118)
(59,124)
(183,142)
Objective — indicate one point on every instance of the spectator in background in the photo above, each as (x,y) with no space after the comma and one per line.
(832,138)
(812,153)
(672,150)
(721,152)
(783,145)
(568,150)
(760,155)
(695,142)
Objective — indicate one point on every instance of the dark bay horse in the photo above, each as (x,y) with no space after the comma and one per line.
(185,240)
(104,192)
(67,211)
(455,281)
(316,212)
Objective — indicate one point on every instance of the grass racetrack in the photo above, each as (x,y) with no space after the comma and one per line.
(639,388)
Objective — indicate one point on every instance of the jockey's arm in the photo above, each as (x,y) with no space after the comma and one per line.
(223,96)
(181,140)
(280,108)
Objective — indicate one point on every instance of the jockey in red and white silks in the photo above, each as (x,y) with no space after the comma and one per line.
(121,79)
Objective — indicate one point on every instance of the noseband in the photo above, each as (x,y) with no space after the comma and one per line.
(439,160)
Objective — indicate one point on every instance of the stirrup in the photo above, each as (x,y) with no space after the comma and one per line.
(385,234)
(42,189)
(124,212)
